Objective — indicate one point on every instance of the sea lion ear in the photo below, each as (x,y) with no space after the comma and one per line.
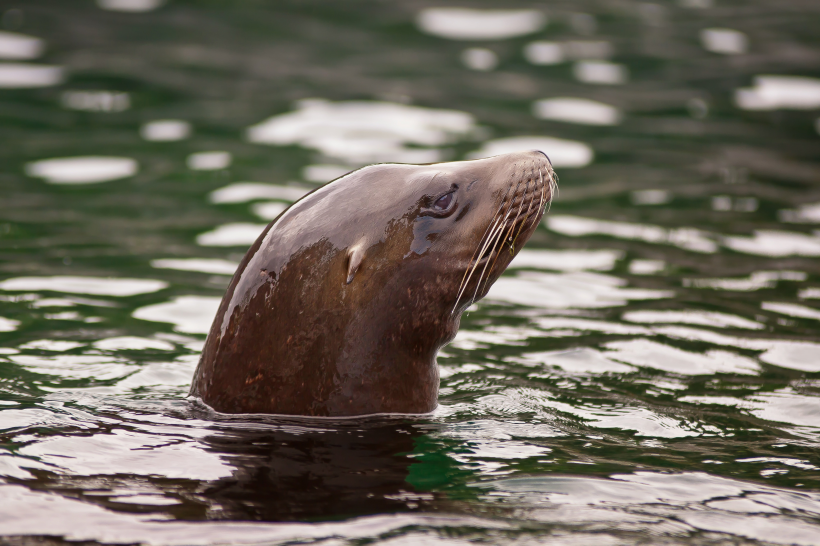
(355,255)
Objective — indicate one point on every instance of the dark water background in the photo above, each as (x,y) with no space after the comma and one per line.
(647,371)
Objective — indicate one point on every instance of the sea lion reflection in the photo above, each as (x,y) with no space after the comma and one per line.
(296,473)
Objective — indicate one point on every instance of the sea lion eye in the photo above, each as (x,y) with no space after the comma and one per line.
(443,202)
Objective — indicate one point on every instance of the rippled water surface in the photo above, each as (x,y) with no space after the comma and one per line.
(647,370)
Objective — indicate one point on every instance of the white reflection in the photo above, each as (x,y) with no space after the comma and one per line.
(20,46)
(239,234)
(786,406)
(796,355)
(570,326)
(805,214)
(568,290)
(241,192)
(651,354)
(76,366)
(322,173)
(469,340)
(209,161)
(477,451)
(96,286)
(96,101)
(600,72)
(82,170)
(742,505)
(188,314)
(650,197)
(8,325)
(132,343)
(717,400)
(756,281)
(809,293)
(797,463)
(134,6)
(39,513)
(566,260)
(562,153)
(646,267)
(361,132)
(479,58)
(51,345)
(575,110)
(544,53)
(24,76)
(475,24)
(775,243)
(705,502)
(686,238)
(491,429)
(165,130)
(169,376)
(128,452)
(201,265)
(628,489)
(143,499)
(724,40)
(641,420)
(774,92)
(792,310)
(584,360)
(268,211)
(702,318)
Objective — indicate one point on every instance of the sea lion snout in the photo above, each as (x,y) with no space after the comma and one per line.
(366,279)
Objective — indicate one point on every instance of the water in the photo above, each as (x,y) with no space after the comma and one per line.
(647,371)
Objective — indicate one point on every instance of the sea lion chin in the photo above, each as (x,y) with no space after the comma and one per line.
(341,304)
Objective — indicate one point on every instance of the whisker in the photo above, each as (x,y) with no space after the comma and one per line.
(499,236)
(553,180)
(526,216)
(479,250)
(497,239)
(474,263)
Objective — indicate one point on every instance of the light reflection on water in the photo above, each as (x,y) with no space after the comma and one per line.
(647,370)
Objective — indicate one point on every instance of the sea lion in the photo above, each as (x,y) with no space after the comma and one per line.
(341,304)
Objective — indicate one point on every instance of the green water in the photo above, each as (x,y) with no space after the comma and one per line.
(646,372)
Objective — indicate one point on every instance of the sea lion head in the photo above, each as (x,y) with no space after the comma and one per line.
(341,305)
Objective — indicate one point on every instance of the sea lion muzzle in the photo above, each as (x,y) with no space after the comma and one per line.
(342,303)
